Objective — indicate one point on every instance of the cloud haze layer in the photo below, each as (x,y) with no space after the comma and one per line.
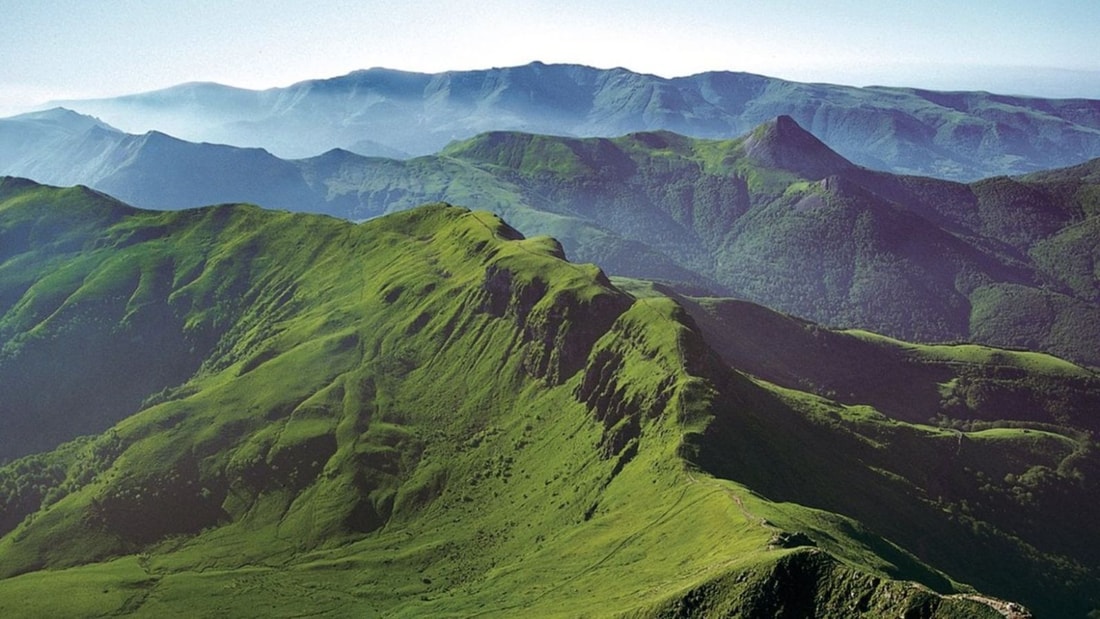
(123,46)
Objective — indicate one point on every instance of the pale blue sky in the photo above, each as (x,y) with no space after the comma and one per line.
(82,48)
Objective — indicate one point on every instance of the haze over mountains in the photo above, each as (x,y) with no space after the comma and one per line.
(154,169)
(957,135)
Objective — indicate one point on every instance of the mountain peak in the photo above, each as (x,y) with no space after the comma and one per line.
(783,143)
(10,185)
(786,123)
(63,117)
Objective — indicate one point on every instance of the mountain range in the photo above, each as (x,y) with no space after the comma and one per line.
(256,413)
(154,169)
(774,216)
(955,135)
(719,345)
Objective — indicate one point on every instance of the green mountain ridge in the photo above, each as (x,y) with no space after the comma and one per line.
(912,257)
(429,414)
(911,382)
(775,217)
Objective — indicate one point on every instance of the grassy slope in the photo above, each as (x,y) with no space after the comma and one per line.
(951,384)
(420,415)
(154,292)
(991,494)
(999,510)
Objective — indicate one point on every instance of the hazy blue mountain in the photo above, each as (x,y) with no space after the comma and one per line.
(29,141)
(155,170)
(957,135)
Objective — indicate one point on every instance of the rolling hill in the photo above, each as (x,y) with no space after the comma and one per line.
(429,414)
(383,112)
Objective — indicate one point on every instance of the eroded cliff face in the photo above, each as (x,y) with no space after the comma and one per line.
(559,329)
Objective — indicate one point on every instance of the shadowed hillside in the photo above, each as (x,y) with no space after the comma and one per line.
(778,218)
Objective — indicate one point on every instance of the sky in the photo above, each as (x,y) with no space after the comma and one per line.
(67,49)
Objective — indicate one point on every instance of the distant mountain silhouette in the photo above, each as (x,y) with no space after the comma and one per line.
(155,170)
(957,135)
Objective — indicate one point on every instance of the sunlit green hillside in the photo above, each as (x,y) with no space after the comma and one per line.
(429,415)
